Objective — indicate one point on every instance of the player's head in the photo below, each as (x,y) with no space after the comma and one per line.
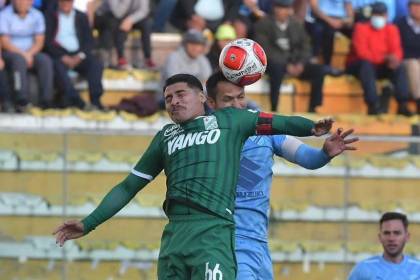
(184,97)
(393,234)
(222,93)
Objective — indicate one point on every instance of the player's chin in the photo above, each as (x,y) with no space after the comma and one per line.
(178,117)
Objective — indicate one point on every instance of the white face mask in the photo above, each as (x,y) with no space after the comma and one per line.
(378,22)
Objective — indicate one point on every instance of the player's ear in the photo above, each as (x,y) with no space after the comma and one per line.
(203,97)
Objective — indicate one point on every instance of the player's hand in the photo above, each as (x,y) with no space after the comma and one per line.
(68,230)
(322,126)
(339,142)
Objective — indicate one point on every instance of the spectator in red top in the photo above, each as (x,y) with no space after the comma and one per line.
(377,53)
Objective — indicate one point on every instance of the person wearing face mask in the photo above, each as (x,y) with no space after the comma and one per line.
(377,53)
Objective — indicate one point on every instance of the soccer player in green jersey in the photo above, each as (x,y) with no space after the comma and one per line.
(200,156)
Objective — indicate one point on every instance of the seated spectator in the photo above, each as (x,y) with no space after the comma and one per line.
(410,37)
(329,17)
(22,30)
(224,34)
(69,42)
(377,53)
(114,19)
(249,12)
(363,9)
(288,52)
(162,14)
(5,101)
(189,58)
(202,14)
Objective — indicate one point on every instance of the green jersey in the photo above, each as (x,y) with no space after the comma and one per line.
(201,158)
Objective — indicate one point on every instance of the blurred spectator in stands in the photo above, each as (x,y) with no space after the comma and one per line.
(2,4)
(300,8)
(329,17)
(5,100)
(377,53)
(401,9)
(202,14)
(37,4)
(114,19)
(249,12)
(163,12)
(363,9)
(410,37)
(224,34)
(22,29)
(87,7)
(392,263)
(288,50)
(189,58)
(69,42)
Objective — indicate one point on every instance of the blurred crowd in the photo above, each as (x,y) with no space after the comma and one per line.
(53,40)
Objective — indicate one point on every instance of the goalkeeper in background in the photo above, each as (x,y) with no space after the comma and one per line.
(255,177)
(200,156)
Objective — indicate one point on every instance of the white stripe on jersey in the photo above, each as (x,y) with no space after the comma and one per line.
(141,175)
(289,148)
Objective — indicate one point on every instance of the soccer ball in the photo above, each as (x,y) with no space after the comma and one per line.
(243,61)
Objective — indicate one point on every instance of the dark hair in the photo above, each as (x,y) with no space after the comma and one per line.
(211,84)
(394,216)
(191,81)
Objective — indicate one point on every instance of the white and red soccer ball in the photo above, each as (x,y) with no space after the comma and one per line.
(243,61)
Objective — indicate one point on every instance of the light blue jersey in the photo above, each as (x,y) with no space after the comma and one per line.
(377,268)
(253,197)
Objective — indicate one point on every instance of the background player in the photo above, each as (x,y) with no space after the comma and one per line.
(393,264)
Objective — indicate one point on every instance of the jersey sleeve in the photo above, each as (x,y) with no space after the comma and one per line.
(114,201)
(259,123)
(151,163)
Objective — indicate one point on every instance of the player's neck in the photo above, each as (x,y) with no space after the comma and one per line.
(397,259)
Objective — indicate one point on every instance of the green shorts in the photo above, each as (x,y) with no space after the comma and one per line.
(197,246)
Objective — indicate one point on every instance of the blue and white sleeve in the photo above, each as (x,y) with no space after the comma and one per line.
(294,150)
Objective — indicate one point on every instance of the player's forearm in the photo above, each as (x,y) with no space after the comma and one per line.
(116,199)
(311,158)
(292,125)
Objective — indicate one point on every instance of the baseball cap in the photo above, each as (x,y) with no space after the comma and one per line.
(225,32)
(414,2)
(379,8)
(194,36)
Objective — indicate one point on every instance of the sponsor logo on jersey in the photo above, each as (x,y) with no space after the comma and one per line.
(213,274)
(173,130)
(249,177)
(255,194)
(183,141)
(210,122)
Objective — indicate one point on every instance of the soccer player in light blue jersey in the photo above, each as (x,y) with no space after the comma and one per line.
(255,176)
(392,264)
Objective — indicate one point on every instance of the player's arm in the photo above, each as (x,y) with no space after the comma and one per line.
(308,157)
(260,123)
(294,150)
(148,167)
